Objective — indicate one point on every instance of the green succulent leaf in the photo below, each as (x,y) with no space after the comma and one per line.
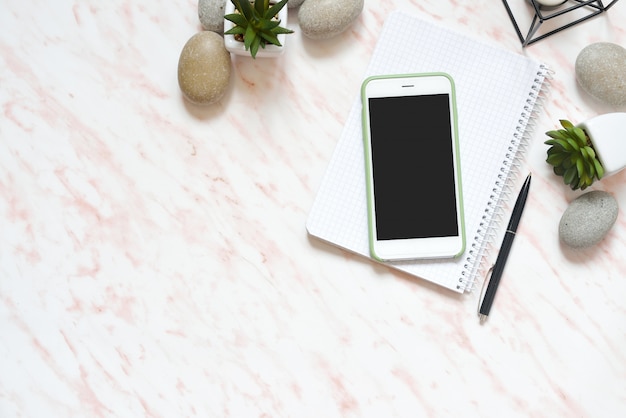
(591,169)
(237,30)
(254,47)
(580,168)
(566,123)
(584,153)
(237,19)
(567,162)
(260,6)
(591,152)
(573,144)
(580,135)
(563,143)
(570,175)
(246,9)
(270,38)
(280,30)
(273,11)
(555,149)
(588,182)
(249,37)
(599,169)
(556,159)
(268,25)
(556,134)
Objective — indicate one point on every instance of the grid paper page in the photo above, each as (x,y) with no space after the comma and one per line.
(495,92)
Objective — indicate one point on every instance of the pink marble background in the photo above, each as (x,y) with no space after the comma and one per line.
(154,260)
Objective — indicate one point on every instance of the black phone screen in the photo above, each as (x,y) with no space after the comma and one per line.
(413,167)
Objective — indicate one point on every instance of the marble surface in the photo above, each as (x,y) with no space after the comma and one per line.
(154,260)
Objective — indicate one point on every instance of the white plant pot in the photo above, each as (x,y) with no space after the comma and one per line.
(607,132)
(548,4)
(237,47)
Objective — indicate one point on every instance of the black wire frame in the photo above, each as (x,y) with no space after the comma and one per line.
(595,7)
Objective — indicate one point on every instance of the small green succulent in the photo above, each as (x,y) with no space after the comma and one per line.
(256,23)
(572,156)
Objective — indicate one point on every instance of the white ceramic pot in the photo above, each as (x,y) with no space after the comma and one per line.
(607,132)
(237,47)
(549,4)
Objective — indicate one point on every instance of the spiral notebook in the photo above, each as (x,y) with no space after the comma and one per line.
(498,95)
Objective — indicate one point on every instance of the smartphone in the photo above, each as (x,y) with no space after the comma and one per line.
(412,165)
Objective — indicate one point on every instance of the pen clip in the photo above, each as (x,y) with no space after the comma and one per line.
(482,290)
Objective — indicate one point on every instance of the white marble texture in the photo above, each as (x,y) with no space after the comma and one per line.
(154,260)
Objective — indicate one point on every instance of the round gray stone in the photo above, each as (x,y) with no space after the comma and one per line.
(211,14)
(601,72)
(588,219)
(204,68)
(321,19)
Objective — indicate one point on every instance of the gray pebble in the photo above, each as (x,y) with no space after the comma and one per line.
(321,19)
(601,72)
(211,14)
(204,68)
(588,219)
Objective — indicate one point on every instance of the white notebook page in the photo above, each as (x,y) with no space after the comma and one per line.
(496,93)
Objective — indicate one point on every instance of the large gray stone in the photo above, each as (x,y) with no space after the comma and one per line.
(321,19)
(211,14)
(588,219)
(601,72)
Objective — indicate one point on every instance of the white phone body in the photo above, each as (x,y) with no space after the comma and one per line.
(413,176)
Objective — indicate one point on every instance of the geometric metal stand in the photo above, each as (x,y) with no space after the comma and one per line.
(590,8)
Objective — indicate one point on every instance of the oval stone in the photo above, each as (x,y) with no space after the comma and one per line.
(321,19)
(588,219)
(204,68)
(601,72)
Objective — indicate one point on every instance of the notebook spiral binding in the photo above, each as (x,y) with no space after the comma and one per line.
(482,241)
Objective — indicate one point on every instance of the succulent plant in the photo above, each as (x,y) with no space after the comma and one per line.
(572,155)
(256,23)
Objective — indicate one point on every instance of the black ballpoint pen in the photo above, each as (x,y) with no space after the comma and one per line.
(507,242)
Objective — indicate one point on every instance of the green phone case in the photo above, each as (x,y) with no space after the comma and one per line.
(370,198)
